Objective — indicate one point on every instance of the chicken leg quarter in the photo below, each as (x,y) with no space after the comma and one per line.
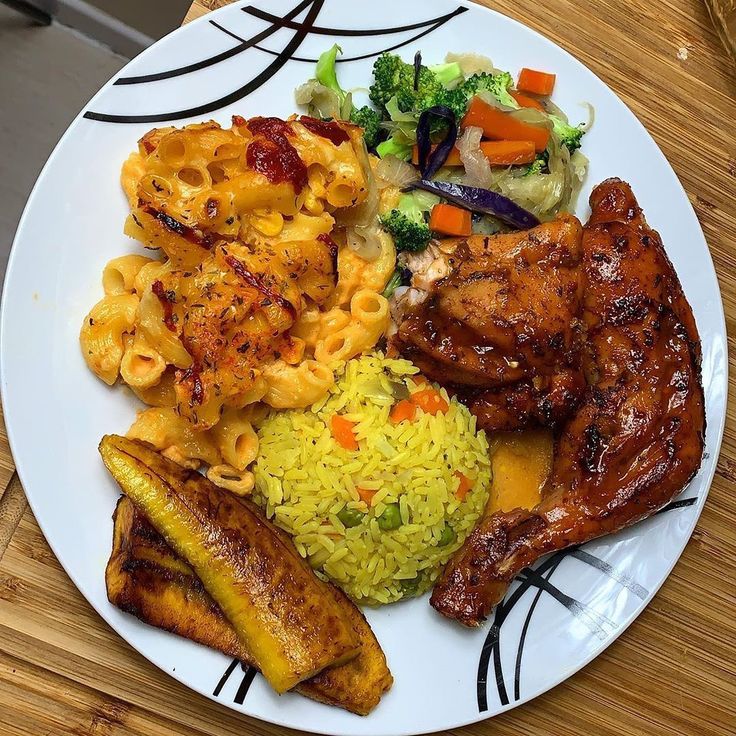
(637,437)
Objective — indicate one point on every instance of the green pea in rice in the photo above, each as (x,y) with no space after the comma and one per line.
(306,482)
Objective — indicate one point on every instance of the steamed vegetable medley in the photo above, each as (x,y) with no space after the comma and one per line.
(461,147)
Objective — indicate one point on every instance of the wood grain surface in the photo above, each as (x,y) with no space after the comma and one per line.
(723,13)
(64,671)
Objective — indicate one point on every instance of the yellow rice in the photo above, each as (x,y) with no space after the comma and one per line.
(304,479)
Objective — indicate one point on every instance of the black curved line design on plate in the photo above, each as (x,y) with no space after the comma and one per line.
(244,45)
(321,31)
(539,578)
(628,582)
(238,94)
(395,47)
(228,32)
(595,621)
(490,646)
(247,681)
(226,676)
(525,628)
(684,503)
(490,649)
(301,31)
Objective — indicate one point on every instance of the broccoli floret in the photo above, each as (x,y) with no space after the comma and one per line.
(393,77)
(497,85)
(408,235)
(370,120)
(447,74)
(537,167)
(539,164)
(408,225)
(455,99)
(392,147)
(401,277)
(569,135)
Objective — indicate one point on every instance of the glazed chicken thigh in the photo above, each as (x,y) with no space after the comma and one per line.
(635,439)
(503,330)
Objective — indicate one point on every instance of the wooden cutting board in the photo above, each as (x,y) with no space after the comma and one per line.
(64,671)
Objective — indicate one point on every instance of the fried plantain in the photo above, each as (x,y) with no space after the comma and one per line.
(287,619)
(146,579)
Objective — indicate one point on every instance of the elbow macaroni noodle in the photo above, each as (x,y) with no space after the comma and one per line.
(245,300)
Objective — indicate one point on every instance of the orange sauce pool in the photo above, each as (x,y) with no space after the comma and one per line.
(521,463)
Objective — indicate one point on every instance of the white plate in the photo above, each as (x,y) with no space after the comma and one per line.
(57,411)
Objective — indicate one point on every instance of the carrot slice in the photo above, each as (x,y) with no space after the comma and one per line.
(450,220)
(430,401)
(405,410)
(526,101)
(366,495)
(500,126)
(342,431)
(464,486)
(538,83)
(498,153)
(508,153)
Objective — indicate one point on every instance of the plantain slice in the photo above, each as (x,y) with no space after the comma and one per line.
(145,578)
(287,619)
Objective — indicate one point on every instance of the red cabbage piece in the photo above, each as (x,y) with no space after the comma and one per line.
(481,200)
(429,165)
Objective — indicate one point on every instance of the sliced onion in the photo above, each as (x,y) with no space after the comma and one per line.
(320,101)
(532,117)
(403,125)
(543,194)
(431,162)
(493,101)
(393,172)
(591,117)
(482,200)
(478,171)
(579,163)
(471,63)
(365,241)
(552,109)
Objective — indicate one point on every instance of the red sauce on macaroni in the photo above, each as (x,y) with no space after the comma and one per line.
(198,237)
(273,155)
(193,375)
(256,282)
(167,299)
(334,132)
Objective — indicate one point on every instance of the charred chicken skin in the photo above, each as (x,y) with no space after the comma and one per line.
(637,437)
(502,331)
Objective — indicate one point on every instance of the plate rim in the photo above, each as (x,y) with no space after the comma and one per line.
(712,426)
